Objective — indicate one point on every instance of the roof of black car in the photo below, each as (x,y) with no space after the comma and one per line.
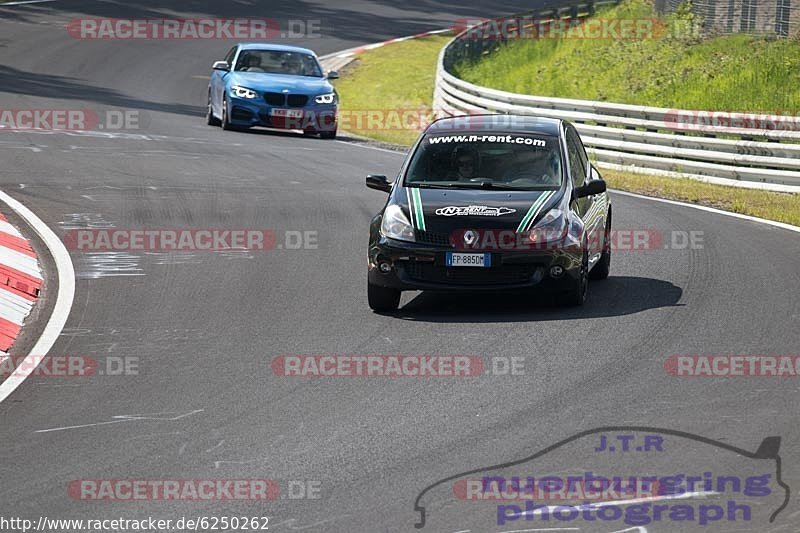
(497,124)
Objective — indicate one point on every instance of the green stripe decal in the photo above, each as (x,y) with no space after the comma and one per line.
(418,209)
(533,210)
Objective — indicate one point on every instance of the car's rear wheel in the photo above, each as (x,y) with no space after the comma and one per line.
(382,299)
(211,120)
(328,134)
(603,266)
(577,296)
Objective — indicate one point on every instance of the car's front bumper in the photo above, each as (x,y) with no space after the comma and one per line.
(416,266)
(250,112)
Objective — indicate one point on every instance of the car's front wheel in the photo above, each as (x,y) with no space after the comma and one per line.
(382,299)
(328,134)
(226,119)
(577,295)
(211,120)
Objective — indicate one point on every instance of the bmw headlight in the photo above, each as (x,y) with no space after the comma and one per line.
(395,225)
(242,92)
(329,98)
(552,227)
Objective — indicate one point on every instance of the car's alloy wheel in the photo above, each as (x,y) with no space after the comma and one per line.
(328,134)
(211,120)
(226,122)
(382,299)
(577,296)
(603,266)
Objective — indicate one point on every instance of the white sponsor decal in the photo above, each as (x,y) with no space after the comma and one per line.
(474,210)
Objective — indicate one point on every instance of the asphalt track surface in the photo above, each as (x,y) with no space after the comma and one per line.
(205,326)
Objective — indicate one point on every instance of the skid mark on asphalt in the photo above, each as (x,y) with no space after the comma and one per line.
(119,419)
(97,265)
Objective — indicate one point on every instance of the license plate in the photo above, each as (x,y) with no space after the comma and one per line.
(288,113)
(455,259)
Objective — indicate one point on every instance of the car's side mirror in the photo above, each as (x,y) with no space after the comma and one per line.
(333,75)
(221,65)
(378,182)
(597,186)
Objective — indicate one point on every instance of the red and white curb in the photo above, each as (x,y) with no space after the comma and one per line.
(20,282)
(338,60)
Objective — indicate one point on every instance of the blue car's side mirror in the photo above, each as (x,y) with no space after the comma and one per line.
(221,65)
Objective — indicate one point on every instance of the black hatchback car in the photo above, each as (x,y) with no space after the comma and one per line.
(495,202)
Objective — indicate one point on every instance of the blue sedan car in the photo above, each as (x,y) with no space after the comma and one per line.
(273,86)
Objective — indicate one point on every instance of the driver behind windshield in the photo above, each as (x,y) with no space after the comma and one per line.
(465,163)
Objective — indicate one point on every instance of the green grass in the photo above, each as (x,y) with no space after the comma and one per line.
(675,70)
(388,81)
(763,204)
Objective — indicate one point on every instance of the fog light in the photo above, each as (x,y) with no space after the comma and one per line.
(385,267)
(556,271)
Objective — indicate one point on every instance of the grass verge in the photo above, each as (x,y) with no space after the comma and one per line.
(389,81)
(670,67)
(401,76)
(763,204)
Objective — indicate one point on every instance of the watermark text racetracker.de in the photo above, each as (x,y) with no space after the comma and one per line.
(188,240)
(395,366)
(619,240)
(733,366)
(192,29)
(68,366)
(71,119)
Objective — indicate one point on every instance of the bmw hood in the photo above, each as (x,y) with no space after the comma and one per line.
(445,211)
(279,82)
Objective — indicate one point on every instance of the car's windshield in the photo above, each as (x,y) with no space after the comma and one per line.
(278,62)
(503,161)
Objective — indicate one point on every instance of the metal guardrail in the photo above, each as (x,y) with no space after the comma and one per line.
(742,149)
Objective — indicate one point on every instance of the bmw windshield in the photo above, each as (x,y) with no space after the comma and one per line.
(496,161)
(278,62)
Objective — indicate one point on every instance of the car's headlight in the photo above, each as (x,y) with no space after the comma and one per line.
(552,227)
(395,225)
(329,98)
(242,92)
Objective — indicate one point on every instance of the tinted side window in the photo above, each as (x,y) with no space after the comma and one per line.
(576,164)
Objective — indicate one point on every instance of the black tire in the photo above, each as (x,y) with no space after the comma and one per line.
(577,296)
(603,266)
(328,134)
(382,299)
(211,120)
(226,123)
(309,133)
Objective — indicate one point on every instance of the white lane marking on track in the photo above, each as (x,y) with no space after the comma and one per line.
(25,2)
(781,225)
(127,418)
(64,297)
(368,147)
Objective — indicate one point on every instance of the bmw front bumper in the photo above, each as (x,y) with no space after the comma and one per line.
(250,112)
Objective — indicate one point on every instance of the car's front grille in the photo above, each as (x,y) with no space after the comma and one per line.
(275,98)
(297,100)
(496,275)
(437,239)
